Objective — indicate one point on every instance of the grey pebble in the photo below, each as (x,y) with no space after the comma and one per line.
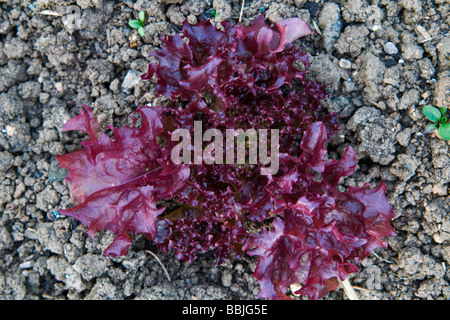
(26,265)
(345,64)
(132,78)
(390,48)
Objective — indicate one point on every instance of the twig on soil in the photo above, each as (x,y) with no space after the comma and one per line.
(242,10)
(161,264)
(175,27)
(49,13)
(413,277)
(361,289)
(349,291)
(316,27)
(433,38)
(382,259)
(423,32)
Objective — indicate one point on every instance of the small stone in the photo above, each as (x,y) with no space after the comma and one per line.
(330,22)
(390,48)
(30,234)
(16,48)
(427,69)
(6,161)
(374,18)
(59,86)
(294,288)
(132,78)
(403,137)
(390,63)
(115,86)
(325,71)
(396,56)
(443,48)
(439,190)
(227,278)
(345,64)
(10,130)
(91,266)
(442,90)
(312,7)
(26,265)
(405,167)
(55,172)
(6,241)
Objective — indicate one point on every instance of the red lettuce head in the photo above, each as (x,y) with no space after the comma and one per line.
(301,229)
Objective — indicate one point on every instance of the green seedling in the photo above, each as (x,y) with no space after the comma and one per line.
(437,116)
(138,24)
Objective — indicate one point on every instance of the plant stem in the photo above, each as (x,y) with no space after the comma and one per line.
(348,289)
(161,264)
(242,10)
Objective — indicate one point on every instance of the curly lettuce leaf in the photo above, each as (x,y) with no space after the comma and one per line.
(319,233)
(115,183)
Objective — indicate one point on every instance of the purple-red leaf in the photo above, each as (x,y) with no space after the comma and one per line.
(313,147)
(334,170)
(275,39)
(320,236)
(274,250)
(115,183)
(323,231)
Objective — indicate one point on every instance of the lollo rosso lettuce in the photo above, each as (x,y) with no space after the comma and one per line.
(295,222)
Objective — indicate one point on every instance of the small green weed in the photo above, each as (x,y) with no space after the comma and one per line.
(138,24)
(437,116)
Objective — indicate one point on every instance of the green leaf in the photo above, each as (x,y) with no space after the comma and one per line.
(141,31)
(444,131)
(142,16)
(430,127)
(135,24)
(431,113)
(443,110)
